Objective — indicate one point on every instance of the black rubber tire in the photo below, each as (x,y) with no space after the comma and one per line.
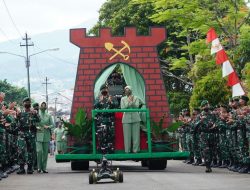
(91,181)
(79,165)
(120,177)
(144,163)
(157,164)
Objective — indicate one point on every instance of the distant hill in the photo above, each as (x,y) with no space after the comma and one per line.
(59,66)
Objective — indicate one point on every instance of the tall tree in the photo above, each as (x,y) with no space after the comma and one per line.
(230,18)
(12,93)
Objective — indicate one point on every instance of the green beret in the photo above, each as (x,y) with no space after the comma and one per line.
(8,119)
(35,104)
(204,102)
(245,98)
(103,87)
(26,99)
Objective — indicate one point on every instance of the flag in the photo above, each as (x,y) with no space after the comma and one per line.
(216,46)
(233,79)
(221,57)
(211,35)
(227,68)
(237,90)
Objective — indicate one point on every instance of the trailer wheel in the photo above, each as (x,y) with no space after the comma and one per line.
(91,180)
(79,165)
(157,164)
(95,177)
(120,176)
(144,163)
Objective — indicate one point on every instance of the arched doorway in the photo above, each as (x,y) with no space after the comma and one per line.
(127,76)
(130,75)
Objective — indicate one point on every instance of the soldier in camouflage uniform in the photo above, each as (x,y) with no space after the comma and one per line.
(27,121)
(196,137)
(206,125)
(232,134)
(35,107)
(3,154)
(188,135)
(223,140)
(243,145)
(183,130)
(106,101)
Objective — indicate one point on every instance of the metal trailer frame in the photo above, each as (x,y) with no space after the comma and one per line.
(117,155)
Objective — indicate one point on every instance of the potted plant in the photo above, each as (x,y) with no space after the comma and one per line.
(163,139)
(80,131)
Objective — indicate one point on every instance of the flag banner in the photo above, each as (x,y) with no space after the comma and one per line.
(227,68)
(237,90)
(233,79)
(216,46)
(211,35)
(221,57)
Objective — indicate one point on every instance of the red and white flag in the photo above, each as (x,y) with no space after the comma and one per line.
(221,57)
(216,46)
(211,35)
(237,90)
(227,68)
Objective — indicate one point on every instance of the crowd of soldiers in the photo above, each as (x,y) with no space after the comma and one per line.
(217,137)
(18,130)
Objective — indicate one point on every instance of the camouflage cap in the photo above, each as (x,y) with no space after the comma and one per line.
(35,104)
(26,99)
(236,98)
(204,102)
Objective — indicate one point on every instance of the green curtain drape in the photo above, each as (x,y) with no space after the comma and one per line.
(102,79)
(134,79)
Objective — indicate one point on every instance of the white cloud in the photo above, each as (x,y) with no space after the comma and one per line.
(45,15)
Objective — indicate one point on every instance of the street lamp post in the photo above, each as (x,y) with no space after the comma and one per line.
(27,63)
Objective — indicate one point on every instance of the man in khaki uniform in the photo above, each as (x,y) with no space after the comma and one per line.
(43,136)
(131,121)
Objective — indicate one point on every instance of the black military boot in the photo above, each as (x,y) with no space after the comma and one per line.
(30,170)
(21,170)
(3,174)
(198,161)
(218,164)
(224,164)
(244,169)
(190,161)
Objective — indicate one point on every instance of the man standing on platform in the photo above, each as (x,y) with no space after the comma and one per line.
(43,136)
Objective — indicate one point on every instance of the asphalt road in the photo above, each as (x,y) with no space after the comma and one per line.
(176,176)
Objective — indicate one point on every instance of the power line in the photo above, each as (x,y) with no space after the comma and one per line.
(7,38)
(46,85)
(59,59)
(27,44)
(12,20)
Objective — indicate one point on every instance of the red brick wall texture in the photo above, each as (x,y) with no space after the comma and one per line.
(94,58)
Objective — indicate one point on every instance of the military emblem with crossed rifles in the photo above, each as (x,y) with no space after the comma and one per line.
(109,46)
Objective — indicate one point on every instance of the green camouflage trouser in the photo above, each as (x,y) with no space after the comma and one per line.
(223,146)
(25,145)
(2,148)
(197,146)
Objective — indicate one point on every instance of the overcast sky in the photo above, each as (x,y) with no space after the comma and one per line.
(38,16)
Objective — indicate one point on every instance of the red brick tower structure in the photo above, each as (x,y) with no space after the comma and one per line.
(99,52)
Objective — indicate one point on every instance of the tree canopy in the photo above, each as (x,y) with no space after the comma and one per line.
(186,63)
(12,93)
